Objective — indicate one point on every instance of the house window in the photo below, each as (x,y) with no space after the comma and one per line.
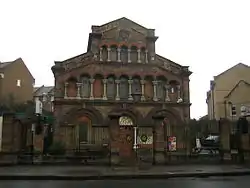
(18,83)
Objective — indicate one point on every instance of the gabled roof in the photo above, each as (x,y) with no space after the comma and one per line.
(4,65)
(123,18)
(237,65)
(39,91)
(241,81)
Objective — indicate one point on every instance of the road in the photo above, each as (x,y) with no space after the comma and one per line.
(215,182)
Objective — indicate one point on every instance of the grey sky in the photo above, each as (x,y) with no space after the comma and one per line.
(208,35)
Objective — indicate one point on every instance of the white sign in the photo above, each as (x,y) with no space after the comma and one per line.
(39,107)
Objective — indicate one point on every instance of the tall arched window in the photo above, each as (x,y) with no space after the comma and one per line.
(133,54)
(123,88)
(136,88)
(85,87)
(124,54)
(113,53)
(161,89)
(104,53)
(111,88)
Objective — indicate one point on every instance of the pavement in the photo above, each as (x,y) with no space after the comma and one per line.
(117,173)
(214,182)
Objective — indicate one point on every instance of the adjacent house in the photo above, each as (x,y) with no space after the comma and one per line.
(46,95)
(229,91)
(16,82)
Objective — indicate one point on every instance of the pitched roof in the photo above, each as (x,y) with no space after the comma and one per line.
(4,65)
(241,81)
(237,65)
(123,18)
(39,91)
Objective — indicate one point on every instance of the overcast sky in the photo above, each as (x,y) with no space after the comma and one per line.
(208,35)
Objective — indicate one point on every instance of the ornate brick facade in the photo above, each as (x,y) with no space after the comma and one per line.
(119,75)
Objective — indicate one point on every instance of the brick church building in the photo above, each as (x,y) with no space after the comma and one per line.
(116,87)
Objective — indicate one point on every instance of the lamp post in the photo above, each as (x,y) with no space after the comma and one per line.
(136,96)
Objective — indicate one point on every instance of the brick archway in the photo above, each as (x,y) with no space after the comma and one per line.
(135,115)
(78,113)
(170,113)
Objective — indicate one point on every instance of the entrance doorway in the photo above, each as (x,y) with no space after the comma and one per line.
(126,134)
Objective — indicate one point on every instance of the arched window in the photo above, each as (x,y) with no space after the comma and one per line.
(133,54)
(161,89)
(124,54)
(113,53)
(85,87)
(136,88)
(111,88)
(124,88)
(104,53)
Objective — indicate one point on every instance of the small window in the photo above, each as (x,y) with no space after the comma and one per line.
(18,83)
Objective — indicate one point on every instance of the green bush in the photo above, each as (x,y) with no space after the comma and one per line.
(57,148)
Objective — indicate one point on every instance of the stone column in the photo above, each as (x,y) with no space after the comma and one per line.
(109,50)
(119,54)
(155,88)
(178,92)
(65,90)
(104,97)
(167,87)
(139,56)
(78,90)
(130,98)
(117,90)
(129,53)
(146,56)
(91,89)
(100,54)
(142,90)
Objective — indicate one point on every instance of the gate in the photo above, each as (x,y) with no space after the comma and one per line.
(145,145)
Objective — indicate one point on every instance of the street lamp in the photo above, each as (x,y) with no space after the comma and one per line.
(137,98)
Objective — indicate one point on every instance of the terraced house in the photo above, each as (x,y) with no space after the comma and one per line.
(116,87)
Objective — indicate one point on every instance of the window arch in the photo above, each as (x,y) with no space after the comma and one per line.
(133,54)
(113,53)
(111,87)
(136,87)
(123,88)
(85,87)
(161,92)
(124,54)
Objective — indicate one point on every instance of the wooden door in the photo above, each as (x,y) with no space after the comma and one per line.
(126,141)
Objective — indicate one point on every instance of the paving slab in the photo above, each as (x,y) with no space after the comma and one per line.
(90,172)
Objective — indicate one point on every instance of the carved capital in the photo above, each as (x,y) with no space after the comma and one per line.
(119,49)
(66,84)
(138,50)
(142,82)
(155,82)
(78,84)
(109,49)
(117,81)
(104,81)
(130,81)
(129,50)
(92,80)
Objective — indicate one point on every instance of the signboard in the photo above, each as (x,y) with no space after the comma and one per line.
(145,139)
(39,107)
(171,143)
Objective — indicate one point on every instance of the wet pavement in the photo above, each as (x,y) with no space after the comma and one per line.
(99,171)
(215,182)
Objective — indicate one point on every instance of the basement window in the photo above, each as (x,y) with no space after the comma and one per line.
(18,83)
